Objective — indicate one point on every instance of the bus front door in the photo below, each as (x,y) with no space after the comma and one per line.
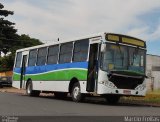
(92,68)
(23,69)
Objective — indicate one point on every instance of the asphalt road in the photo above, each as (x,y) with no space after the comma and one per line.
(13,104)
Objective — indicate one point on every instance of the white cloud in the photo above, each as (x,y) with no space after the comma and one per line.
(156,34)
(81,17)
(145,33)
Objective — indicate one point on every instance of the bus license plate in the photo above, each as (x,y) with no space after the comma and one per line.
(126,91)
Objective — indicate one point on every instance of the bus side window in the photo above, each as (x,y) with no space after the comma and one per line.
(41,58)
(80,50)
(66,52)
(53,54)
(18,59)
(32,57)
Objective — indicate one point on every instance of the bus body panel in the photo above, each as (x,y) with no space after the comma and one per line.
(16,84)
(58,86)
(53,77)
(55,72)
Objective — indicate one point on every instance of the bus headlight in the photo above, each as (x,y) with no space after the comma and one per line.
(141,87)
(110,84)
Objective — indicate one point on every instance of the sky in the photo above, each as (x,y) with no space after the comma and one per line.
(49,20)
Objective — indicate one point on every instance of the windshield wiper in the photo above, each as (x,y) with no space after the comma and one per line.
(135,54)
(122,56)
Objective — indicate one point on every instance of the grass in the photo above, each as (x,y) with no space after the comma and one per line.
(152,97)
(154,92)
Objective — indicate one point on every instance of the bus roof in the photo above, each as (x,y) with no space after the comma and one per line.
(59,42)
(74,39)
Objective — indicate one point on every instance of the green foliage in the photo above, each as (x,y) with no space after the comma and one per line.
(6,63)
(24,41)
(5,12)
(10,41)
(7,31)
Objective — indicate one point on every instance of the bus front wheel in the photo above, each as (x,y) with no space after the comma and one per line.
(30,91)
(76,94)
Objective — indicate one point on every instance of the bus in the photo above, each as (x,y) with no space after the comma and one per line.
(106,64)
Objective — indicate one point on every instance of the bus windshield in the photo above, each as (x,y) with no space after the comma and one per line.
(119,57)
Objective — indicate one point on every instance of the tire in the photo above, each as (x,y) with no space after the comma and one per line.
(76,94)
(60,95)
(112,99)
(30,91)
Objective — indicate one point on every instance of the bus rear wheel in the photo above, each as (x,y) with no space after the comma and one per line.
(76,94)
(112,99)
(30,91)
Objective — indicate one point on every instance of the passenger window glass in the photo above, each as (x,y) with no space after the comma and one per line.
(18,59)
(53,54)
(32,57)
(80,50)
(66,52)
(41,60)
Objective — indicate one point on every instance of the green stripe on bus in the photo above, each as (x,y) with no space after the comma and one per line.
(58,75)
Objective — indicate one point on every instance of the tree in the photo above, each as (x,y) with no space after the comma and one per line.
(24,41)
(10,41)
(6,63)
(7,31)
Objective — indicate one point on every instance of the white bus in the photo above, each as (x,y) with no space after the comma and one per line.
(107,64)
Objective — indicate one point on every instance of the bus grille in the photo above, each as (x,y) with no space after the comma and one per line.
(126,82)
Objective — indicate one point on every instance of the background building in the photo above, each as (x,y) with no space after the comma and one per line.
(153,72)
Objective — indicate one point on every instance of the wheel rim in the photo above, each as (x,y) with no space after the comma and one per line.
(29,89)
(76,92)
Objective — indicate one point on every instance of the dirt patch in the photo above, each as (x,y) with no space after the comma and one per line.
(151,99)
(19,91)
(140,102)
(12,90)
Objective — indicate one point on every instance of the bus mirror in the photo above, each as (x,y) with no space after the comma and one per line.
(103,47)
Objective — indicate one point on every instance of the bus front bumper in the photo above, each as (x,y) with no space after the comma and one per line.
(103,89)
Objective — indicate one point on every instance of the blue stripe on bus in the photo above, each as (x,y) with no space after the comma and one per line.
(47,68)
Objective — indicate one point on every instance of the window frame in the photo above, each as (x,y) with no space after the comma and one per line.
(17,60)
(86,51)
(53,46)
(41,56)
(69,52)
(35,57)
